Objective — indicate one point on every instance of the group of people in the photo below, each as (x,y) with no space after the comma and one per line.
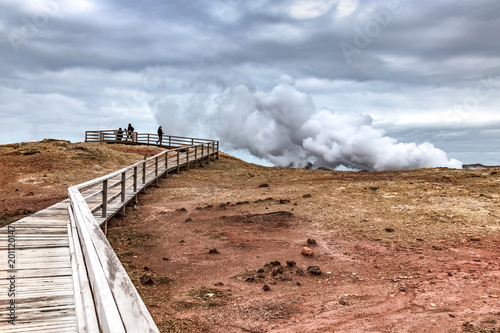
(130,134)
(129,131)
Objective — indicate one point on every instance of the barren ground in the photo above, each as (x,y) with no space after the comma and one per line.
(405,251)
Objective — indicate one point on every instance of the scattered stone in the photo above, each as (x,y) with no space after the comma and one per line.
(298,283)
(284,201)
(261,276)
(389,229)
(30,194)
(250,279)
(307,195)
(188,220)
(268,266)
(147,279)
(278,270)
(242,202)
(166,259)
(450,274)
(181,210)
(266,288)
(260,270)
(311,241)
(374,188)
(264,185)
(182,241)
(276,263)
(315,270)
(299,271)
(307,251)
(213,251)
(290,263)
(218,284)
(474,239)
(451,315)
(146,268)
(341,302)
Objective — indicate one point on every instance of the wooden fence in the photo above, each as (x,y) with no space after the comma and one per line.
(107,299)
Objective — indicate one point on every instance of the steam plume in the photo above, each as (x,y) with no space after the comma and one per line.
(285,128)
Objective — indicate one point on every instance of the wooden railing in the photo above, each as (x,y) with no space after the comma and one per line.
(144,138)
(108,300)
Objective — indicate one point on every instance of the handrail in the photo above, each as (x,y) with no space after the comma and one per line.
(118,306)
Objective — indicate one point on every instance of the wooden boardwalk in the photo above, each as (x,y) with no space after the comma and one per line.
(57,270)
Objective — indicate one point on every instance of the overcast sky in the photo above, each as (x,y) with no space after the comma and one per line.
(412,71)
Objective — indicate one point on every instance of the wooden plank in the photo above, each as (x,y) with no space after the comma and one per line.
(108,315)
(84,302)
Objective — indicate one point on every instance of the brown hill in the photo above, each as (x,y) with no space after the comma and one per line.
(399,251)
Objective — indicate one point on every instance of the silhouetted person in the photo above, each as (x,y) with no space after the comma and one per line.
(130,132)
(160,135)
(119,135)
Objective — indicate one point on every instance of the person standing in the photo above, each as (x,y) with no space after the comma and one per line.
(160,135)
(119,135)
(130,132)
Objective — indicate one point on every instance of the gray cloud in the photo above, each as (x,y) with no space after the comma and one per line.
(418,72)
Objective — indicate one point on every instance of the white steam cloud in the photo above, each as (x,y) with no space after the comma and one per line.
(285,128)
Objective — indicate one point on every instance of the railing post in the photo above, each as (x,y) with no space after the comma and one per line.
(187,158)
(166,165)
(192,141)
(156,171)
(104,198)
(217,149)
(195,156)
(135,178)
(123,187)
(170,141)
(144,172)
(101,136)
(178,161)
(202,155)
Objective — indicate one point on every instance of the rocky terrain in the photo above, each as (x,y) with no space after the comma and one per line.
(237,247)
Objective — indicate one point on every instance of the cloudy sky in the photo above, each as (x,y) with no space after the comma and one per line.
(364,84)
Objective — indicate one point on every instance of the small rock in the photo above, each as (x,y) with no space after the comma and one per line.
(451,315)
(213,251)
(389,229)
(147,279)
(315,270)
(146,268)
(450,274)
(278,270)
(261,276)
(307,251)
(474,239)
(284,201)
(260,270)
(218,284)
(311,241)
(181,210)
(307,195)
(290,263)
(166,259)
(264,185)
(266,288)
(276,263)
(188,220)
(298,283)
(374,188)
(299,271)
(341,302)
(182,241)
(250,279)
